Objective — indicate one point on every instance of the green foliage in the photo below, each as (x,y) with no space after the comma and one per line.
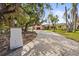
(53,19)
(25,15)
(35,12)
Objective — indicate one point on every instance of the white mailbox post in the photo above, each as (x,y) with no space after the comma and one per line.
(16,38)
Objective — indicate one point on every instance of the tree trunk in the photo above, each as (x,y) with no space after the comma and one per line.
(66,18)
(74,29)
(75,17)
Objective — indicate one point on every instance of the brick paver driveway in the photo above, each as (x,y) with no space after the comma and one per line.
(48,44)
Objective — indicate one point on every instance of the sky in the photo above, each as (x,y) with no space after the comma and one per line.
(59,10)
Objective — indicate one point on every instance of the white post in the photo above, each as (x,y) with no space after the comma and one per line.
(16,38)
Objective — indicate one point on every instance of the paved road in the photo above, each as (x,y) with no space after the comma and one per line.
(48,44)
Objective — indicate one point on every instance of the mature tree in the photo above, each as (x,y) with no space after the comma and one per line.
(65,16)
(53,19)
(24,14)
(74,12)
(71,26)
(35,12)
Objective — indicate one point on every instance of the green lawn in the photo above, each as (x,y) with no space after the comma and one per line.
(70,35)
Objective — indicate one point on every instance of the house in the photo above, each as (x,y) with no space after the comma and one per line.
(42,26)
(38,27)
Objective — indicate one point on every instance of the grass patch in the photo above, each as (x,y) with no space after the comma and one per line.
(70,35)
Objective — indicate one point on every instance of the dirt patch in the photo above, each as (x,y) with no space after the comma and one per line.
(5,41)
